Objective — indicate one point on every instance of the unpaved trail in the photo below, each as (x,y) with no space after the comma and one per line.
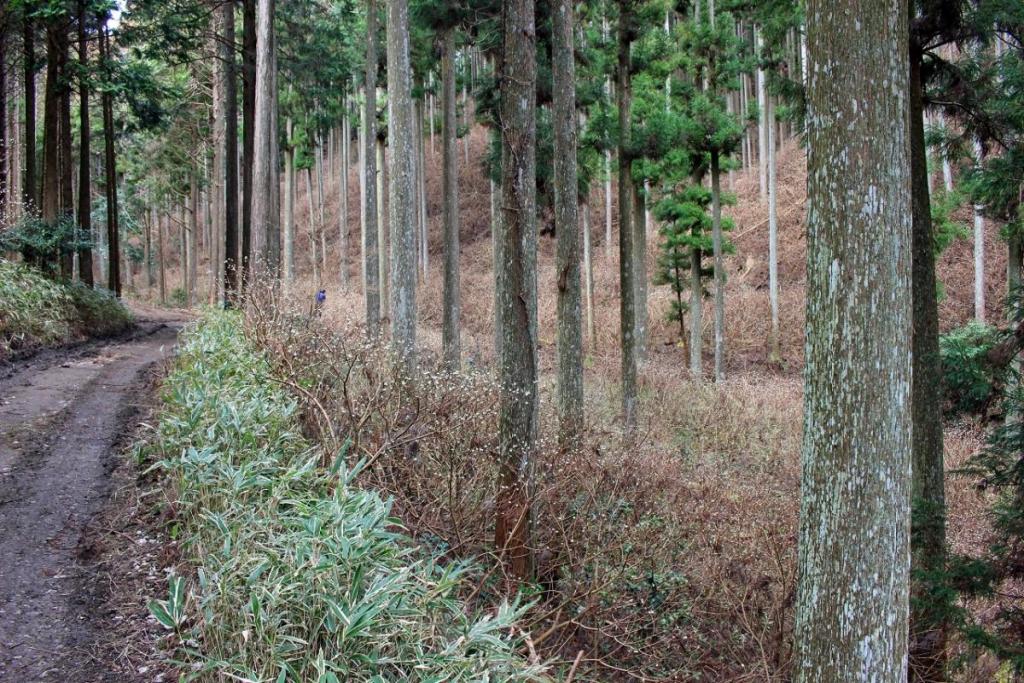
(63,417)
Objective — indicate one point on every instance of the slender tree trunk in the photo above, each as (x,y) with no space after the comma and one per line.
(321,223)
(774,348)
(5,141)
(230,196)
(217,190)
(289,203)
(110,165)
(266,225)
(371,266)
(716,240)
(191,235)
(424,219)
(979,250)
(343,216)
(640,272)
(567,227)
(608,242)
(29,189)
(854,541)
(383,265)
(151,225)
(517,287)
(248,130)
(50,204)
(928,538)
(588,275)
(84,155)
(627,242)
(762,122)
(401,194)
(314,261)
(66,163)
(450,181)
(162,256)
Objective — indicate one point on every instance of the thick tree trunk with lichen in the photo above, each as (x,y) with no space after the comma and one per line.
(627,243)
(517,287)
(927,622)
(567,230)
(450,339)
(854,542)
(401,204)
(266,200)
(371,267)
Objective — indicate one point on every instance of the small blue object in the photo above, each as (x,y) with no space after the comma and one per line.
(321,296)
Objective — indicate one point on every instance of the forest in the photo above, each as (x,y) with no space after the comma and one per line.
(532,340)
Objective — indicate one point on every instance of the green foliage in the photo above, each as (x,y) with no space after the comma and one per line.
(970,380)
(299,575)
(37,311)
(41,242)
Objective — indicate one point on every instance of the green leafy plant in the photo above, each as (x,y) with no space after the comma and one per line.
(970,380)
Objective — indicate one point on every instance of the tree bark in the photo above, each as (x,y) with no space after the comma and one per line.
(401,194)
(762,121)
(567,227)
(266,221)
(517,288)
(289,202)
(84,155)
(774,348)
(343,230)
(371,266)
(162,256)
(29,189)
(716,241)
(854,541)
(4,138)
(928,537)
(979,250)
(248,130)
(230,196)
(110,169)
(627,243)
(50,204)
(450,208)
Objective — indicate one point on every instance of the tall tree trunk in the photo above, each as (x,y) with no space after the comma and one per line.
(266,220)
(639,272)
(66,164)
(371,267)
(450,208)
(588,275)
(854,541)
(979,249)
(4,138)
(84,155)
(608,248)
(928,538)
(151,225)
(110,169)
(517,287)
(424,225)
(50,204)
(289,202)
(248,129)
(716,241)
(191,237)
(383,265)
(29,189)
(774,343)
(343,230)
(401,194)
(762,121)
(230,196)
(567,227)
(162,255)
(627,243)
(313,260)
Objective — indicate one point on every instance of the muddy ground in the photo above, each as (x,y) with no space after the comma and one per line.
(77,555)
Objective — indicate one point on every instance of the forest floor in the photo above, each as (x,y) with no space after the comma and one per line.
(66,416)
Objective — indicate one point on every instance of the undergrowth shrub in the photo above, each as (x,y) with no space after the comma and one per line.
(300,575)
(970,380)
(626,580)
(38,311)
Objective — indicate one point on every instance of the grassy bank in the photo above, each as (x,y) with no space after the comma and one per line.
(290,572)
(37,312)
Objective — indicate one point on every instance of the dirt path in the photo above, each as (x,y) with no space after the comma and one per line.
(63,416)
